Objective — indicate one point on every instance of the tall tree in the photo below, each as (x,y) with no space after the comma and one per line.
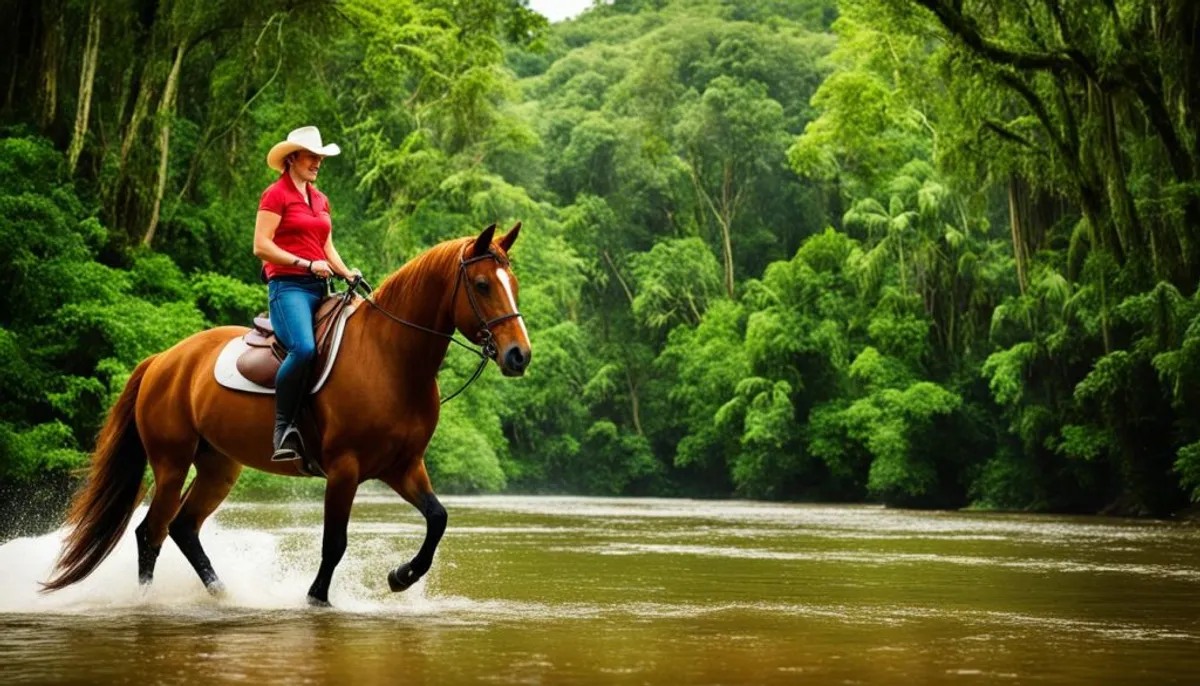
(731,138)
(87,80)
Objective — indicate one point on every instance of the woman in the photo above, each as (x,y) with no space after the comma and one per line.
(292,236)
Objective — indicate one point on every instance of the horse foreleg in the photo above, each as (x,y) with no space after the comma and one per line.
(340,488)
(215,476)
(414,487)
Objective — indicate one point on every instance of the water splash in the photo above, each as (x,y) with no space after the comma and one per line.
(260,571)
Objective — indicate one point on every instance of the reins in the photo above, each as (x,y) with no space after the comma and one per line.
(485,352)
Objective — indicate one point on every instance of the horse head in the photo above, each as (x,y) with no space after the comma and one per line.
(488,313)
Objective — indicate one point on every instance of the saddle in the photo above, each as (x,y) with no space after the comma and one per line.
(264,353)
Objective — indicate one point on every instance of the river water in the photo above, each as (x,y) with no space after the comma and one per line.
(540,590)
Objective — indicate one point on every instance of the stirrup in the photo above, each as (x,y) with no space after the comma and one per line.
(284,454)
(307,466)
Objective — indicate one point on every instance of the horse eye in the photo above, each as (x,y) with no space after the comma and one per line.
(482,285)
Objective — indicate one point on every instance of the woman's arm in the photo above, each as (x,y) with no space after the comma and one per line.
(264,242)
(335,260)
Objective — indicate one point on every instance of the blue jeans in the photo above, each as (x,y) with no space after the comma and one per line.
(292,307)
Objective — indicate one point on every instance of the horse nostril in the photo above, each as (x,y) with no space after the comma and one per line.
(515,359)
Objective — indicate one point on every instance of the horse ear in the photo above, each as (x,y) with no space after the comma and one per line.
(507,240)
(483,244)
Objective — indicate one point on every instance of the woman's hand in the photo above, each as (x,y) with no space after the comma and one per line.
(320,268)
(352,275)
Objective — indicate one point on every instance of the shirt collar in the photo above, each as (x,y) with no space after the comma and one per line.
(286,181)
(290,187)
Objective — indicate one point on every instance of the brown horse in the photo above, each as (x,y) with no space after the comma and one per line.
(377,412)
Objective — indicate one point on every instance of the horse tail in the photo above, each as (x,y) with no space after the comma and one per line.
(102,508)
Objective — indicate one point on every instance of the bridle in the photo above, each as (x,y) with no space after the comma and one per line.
(489,345)
(487,349)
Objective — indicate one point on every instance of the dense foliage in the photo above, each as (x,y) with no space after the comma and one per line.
(925,252)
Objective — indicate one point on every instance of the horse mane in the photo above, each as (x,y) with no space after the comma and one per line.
(396,290)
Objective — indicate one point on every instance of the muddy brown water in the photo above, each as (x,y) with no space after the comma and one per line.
(541,590)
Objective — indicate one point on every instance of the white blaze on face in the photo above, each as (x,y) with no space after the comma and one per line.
(502,275)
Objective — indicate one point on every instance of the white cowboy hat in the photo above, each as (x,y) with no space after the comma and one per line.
(304,138)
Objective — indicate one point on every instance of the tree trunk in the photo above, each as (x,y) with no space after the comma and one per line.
(634,402)
(137,94)
(48,92)
(166,109)
(91,54)
(141,73)
(728,200)
(1125,215)
(834,210)
(140,107)
(723,214)
(1014,219)
(728,246)
(613,267)
(14,60)
(194,166)
(695,310)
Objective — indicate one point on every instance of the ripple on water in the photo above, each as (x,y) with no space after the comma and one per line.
(747,518)
(889,558)
(267,579)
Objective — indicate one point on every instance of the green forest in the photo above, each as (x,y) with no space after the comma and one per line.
(925,253)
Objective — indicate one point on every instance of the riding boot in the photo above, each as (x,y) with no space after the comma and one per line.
(289,393)
(288,443)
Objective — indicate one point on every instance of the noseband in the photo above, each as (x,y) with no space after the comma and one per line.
(487,349)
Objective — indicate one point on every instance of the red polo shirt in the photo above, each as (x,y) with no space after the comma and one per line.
(303,228)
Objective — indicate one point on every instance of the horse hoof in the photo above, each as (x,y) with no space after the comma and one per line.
(216,589)
(317,602)
(402,577)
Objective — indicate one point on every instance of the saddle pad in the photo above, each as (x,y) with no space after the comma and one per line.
(228,375)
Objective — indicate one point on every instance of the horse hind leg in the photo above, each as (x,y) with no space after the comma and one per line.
(215,476)
(169,462)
